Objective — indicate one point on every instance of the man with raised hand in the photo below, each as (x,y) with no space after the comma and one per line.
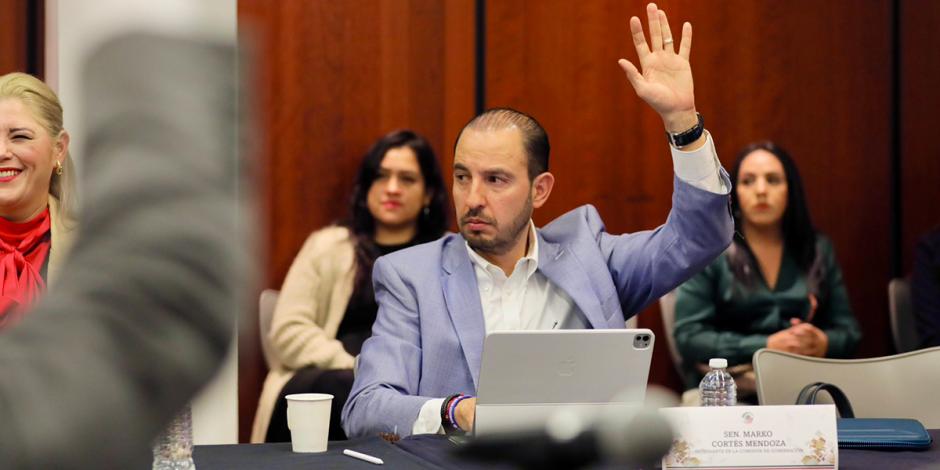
(419,371)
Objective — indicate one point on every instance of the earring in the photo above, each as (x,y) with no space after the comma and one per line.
(58,168)
(427,211)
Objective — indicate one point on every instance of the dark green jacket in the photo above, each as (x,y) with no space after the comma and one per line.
(717,316)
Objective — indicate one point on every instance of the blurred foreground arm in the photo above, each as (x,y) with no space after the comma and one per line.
(144,308)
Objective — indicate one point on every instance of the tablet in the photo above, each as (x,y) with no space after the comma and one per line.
(527,376)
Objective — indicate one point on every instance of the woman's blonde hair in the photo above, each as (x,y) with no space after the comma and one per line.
(45,106)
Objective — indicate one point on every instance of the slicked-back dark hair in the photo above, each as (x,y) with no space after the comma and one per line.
(534,137)
(430,225)
(799,234)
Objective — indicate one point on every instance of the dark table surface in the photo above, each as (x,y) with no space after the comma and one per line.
(433,452)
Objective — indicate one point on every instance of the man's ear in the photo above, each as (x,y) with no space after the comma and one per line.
(542,188)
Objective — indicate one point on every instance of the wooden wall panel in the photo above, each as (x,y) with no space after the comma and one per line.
(920,100)
(816,77)
(14,36)
(332,77)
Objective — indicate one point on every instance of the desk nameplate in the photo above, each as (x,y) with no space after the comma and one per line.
(753,437)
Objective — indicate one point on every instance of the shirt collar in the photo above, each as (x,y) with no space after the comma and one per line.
(529,262)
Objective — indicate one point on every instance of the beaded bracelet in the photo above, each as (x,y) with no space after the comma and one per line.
(453,408)
(445,411)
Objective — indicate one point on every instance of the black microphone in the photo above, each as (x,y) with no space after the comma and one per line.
(637,437)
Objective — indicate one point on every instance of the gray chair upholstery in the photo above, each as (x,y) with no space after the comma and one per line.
(903,327)
(667,307)
(266,303)
(900,386)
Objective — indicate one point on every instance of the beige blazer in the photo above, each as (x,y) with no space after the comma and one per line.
(62,236)
(309,310)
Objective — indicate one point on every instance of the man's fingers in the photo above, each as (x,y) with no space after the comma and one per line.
(685,47)
(667,33)
(656,33)
(639,41)
(634,75)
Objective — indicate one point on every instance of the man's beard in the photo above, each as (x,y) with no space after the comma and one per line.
(503,241)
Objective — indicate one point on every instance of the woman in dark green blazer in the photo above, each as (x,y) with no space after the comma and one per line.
(777,286)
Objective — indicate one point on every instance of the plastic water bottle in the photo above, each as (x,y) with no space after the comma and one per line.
(173,450)
(717,387)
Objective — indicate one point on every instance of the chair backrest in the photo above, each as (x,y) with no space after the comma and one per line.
(266,304)
(900,386)
(903,327)
(667,307)
(633,322)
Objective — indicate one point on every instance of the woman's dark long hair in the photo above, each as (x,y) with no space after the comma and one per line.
(432,221)
(799,234)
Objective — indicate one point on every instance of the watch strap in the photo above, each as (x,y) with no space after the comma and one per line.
(686,137)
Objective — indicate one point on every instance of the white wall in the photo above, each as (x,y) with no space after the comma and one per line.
(73,28)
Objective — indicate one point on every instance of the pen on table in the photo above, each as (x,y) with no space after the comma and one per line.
(361,456)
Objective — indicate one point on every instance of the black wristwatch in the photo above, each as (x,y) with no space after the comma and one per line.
(686,137)
(445,416)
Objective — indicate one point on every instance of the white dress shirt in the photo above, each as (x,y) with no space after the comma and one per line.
(527,300)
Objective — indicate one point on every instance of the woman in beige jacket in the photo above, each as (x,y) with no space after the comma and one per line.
(36,193)
(326,306)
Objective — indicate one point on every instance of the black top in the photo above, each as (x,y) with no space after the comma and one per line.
(360,314)
(925,289)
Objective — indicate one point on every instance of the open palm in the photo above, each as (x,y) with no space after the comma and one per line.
(666,79)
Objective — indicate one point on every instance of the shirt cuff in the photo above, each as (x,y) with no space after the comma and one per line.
(429,418)
(700,167)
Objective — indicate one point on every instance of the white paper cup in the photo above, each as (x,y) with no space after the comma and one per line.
(308,418)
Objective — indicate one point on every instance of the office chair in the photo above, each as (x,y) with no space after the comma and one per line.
(266,303)
(903,328)
(667,307)
(901,386)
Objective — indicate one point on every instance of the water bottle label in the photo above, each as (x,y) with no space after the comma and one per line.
(717,388)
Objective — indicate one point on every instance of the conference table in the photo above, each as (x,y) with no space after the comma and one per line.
(434,452)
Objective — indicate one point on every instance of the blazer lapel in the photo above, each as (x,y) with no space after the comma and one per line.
(462,296)
(563,269)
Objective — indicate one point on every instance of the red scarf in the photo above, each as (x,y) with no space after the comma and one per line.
(23,250)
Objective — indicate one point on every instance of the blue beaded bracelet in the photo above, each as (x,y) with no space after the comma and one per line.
(453,409)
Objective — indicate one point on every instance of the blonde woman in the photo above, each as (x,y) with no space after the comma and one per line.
(36,174)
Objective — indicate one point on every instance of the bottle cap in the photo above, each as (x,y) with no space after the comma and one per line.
(718,363)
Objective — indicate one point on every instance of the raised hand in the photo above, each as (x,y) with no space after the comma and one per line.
(666,79)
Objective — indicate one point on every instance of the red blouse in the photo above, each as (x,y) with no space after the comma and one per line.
(24,248)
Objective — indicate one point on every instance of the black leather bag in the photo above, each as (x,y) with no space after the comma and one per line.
(868,433)
(807,396)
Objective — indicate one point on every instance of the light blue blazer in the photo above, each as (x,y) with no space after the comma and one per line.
(427,339)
